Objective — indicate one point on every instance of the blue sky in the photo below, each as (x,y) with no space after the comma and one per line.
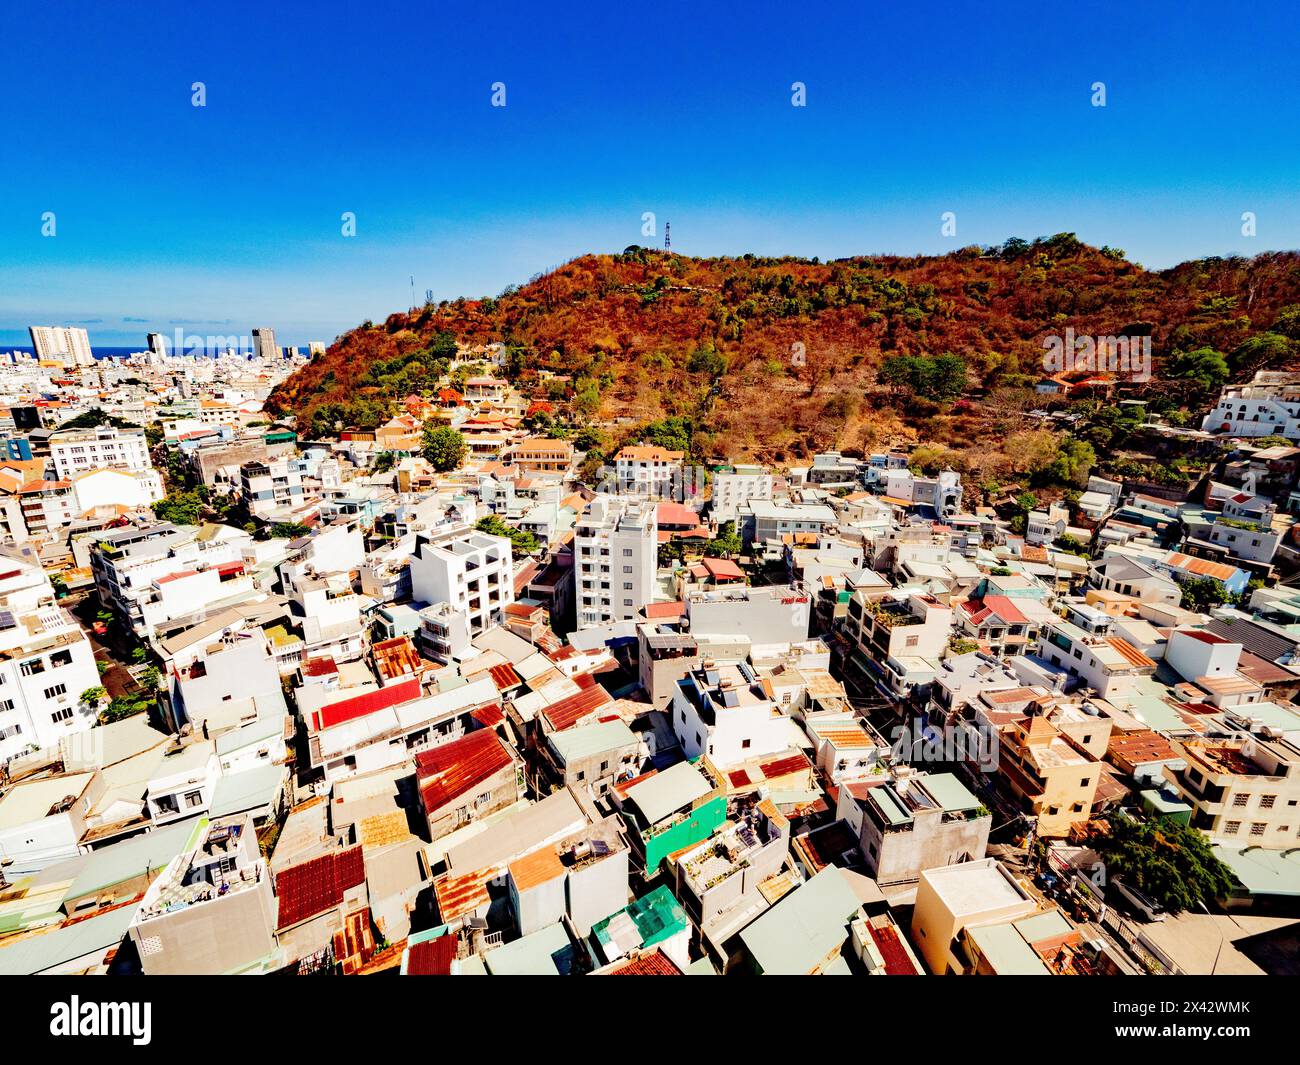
(222,218)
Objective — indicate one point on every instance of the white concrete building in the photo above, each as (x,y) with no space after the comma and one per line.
(117,488)
(471,571)
(160,573)
(77,451)
(616,557)
(46,663)
(1268,406)
(648,471)
(735,485)
(61,343)
(274,485)
(724,712)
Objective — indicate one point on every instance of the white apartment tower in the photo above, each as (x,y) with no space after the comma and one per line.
(78,451)
(473,572)
(62,343)
(735,485)
(617,557)
(264,346)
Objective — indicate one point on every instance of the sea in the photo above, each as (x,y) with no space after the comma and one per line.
(105,351)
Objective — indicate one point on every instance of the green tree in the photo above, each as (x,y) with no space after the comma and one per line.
(1201,593)
(1201,371)
(94,694)
(1165,860)
(444,447)
(727,544)
(1074,461)
(521,542)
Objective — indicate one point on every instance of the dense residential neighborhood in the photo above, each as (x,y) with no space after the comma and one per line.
(487,689)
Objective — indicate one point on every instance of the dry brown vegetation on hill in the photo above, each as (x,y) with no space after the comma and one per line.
(776,358)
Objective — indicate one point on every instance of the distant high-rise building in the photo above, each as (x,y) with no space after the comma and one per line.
(157,344)
(264,346)
(61,343)
(316,347)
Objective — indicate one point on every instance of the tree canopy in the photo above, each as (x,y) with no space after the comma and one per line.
(444,447)
(1165,860)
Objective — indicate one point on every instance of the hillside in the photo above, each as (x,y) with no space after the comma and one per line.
(775,358)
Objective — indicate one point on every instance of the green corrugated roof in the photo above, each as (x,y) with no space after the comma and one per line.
(588,740)
(949,792)
(130,858)
(1006,951)
(34,954)
(805,926)
(1041,926)
(546,952)
(1161,805)
(890,806)
(666,792)
(1263,872)
(246,790)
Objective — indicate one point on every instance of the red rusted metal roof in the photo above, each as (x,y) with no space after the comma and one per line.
(489,715)
(433,957)
(505,677)
(647,965)
(313,886)
(568,712)
(369,703)
(451,769)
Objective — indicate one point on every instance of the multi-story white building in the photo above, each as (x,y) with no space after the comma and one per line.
(616,557)
(160,573)
(1244,790)
(768,520)
(1268,406)
(648,471)
(77,451)
(734,485)
(46,664)
(724,712)
(899,644)
(61,343)
(471,571)
(270,486)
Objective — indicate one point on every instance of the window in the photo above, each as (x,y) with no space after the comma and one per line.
(1240,800)
(744,744)
(1231,828)
(56,691)
(1266,802)
(13,730)
(193,799)
(60,658)
(1257,828)
(32,667)
(6,704)
(60,716)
